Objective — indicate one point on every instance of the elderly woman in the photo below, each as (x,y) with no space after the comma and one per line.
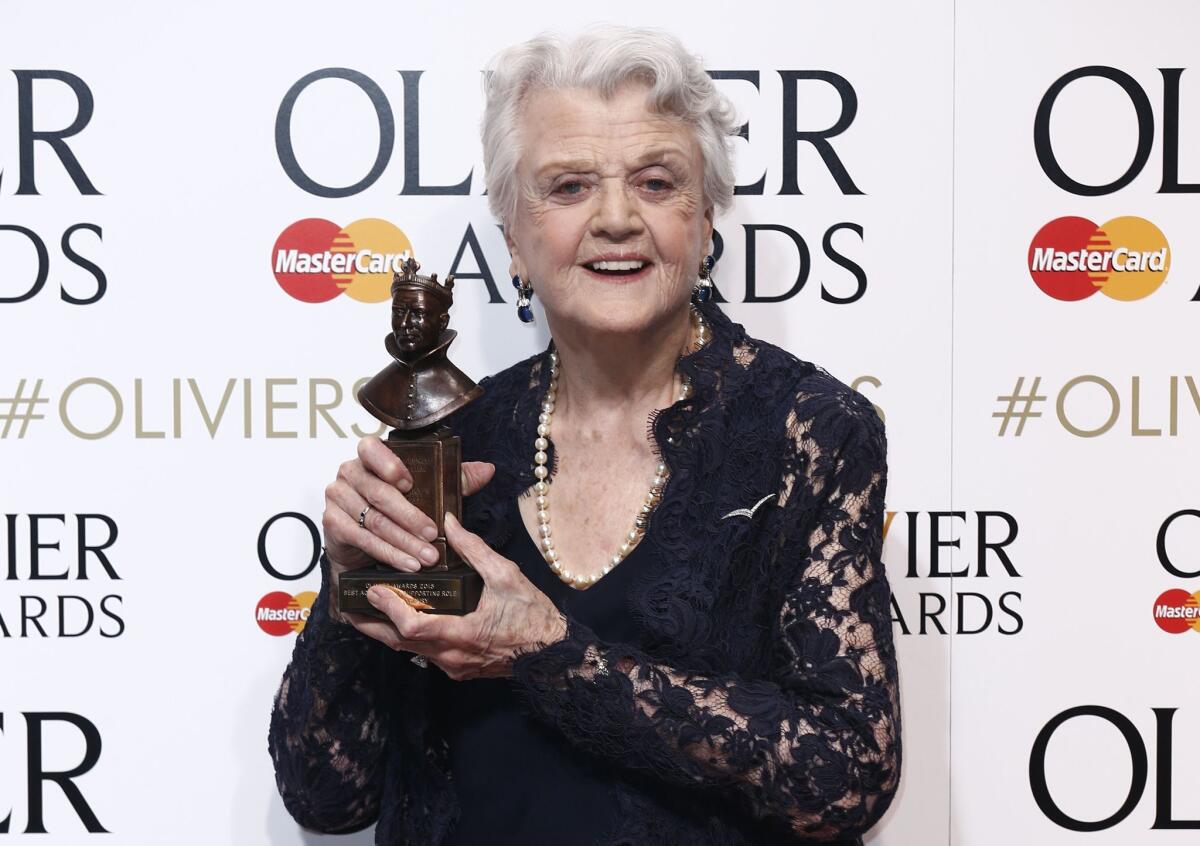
(685,633)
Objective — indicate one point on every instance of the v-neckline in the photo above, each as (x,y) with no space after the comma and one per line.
(634,555)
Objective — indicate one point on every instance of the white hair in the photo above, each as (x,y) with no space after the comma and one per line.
(603,59)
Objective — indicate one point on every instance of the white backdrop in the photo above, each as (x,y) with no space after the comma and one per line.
(172,680)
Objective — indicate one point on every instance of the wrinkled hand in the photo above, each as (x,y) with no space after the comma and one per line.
(513,617)
(397,533)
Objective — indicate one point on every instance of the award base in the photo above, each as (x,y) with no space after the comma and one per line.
(433,592)
(434,459)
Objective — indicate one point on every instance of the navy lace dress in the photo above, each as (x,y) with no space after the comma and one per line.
(519,781)
(758,703)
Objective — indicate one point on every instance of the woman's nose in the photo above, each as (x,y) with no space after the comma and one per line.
(617,215)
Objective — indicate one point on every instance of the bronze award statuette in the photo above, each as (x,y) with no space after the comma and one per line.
(416,390)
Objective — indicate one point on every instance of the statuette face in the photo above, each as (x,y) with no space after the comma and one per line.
(418,320)
(420,309)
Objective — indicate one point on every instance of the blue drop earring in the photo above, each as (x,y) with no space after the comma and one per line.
(702,290)
(524,296)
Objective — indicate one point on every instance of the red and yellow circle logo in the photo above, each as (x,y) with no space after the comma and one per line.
(315,260)
(1071,258)
(1177,611)
(280,613)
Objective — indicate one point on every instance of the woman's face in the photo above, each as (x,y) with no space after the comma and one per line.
(611,221)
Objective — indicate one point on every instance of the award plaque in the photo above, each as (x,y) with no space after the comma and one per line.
(416,390)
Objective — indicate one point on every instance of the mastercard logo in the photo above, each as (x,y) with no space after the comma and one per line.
(280,613)
(1072,258)
(315,260)
(1176,611)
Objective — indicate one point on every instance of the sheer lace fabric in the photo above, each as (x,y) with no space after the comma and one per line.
(763,706)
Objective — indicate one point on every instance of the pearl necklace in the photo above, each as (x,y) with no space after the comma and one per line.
(581,581)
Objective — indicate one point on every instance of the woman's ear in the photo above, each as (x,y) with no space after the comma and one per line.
(516,267)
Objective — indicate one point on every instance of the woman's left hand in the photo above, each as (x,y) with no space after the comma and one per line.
(513,617)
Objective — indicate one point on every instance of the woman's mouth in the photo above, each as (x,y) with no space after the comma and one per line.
(612,270)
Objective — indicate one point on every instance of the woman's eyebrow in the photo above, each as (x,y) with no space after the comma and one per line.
(658,155)
(646,158)
(565,166)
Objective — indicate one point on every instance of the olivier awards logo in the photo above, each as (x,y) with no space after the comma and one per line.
(1071,258)
(315,260)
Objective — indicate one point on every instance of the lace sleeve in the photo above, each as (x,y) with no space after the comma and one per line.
(327,732)
(817,745)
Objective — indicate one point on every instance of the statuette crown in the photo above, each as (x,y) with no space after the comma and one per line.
(409,278)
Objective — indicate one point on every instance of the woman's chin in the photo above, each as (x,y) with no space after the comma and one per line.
(632,318)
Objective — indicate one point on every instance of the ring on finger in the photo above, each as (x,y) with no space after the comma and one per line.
(362,516)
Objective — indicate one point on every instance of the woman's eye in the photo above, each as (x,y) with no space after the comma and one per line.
(570,188)
(656,184)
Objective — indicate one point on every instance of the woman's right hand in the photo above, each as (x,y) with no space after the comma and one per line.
(396,532)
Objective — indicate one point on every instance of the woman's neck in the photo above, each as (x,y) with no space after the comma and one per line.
(607,379)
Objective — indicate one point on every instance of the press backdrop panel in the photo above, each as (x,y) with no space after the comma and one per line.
(168,403)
